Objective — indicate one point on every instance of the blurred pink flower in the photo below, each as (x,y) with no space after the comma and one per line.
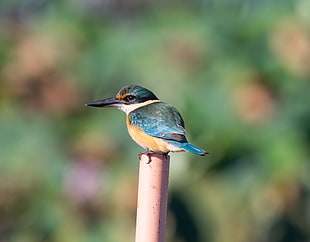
(82,181)
(253,102)
(290,42)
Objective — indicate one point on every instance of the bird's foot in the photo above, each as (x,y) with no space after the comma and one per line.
(147,153)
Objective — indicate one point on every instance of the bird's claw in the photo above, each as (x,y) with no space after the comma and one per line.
(147,153)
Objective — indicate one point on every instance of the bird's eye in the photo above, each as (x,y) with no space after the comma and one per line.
(130,98)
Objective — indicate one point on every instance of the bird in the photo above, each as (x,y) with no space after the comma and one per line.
(153,124)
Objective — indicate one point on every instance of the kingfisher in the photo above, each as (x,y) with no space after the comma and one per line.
(155,125)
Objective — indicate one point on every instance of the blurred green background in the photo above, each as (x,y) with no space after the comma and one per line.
(238,71)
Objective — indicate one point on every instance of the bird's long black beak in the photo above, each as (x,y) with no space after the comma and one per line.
(109,102)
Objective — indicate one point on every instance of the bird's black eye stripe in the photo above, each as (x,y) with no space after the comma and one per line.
(130,98)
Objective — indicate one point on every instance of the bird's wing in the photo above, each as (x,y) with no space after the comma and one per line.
(159,120)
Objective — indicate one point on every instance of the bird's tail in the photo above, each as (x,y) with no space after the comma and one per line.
(191,148)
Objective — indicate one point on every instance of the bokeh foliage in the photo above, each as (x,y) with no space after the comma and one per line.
(238,71)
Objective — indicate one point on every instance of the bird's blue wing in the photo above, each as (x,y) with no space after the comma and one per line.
(159,120)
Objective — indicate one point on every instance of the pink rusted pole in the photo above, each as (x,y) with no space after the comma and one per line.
(152,198)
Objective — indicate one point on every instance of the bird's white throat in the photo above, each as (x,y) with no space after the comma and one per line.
(131,107)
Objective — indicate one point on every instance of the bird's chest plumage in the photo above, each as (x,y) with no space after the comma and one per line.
(146,141)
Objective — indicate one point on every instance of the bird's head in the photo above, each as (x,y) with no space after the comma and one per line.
(128,95)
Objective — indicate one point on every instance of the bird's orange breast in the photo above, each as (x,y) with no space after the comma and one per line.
(146,141)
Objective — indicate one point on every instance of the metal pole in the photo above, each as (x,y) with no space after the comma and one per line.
(152,198)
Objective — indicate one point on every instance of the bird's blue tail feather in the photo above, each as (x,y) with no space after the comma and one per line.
(191,148)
